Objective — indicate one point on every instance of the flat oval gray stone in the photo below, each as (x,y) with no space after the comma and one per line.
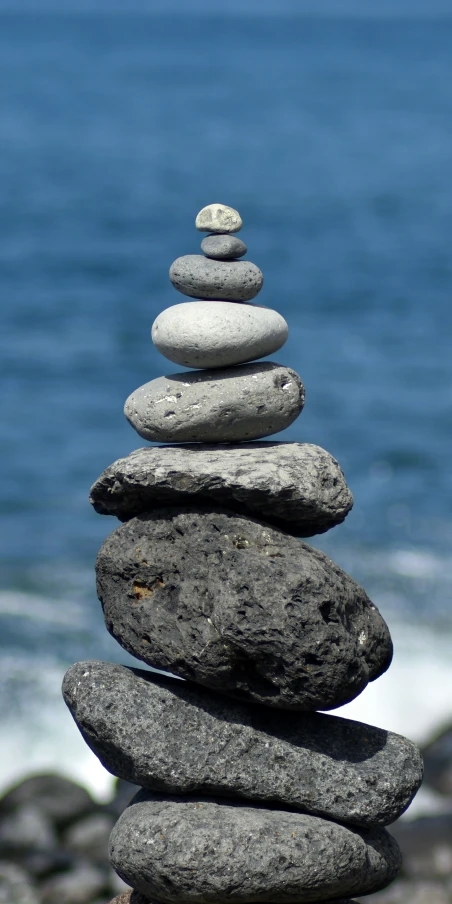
(218,218)
(240,607)
(136,723)
(201,277)
(296,486)
(223,247)
(217,406)
(216,852)
(218,334)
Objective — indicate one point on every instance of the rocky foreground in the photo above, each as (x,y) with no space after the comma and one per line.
(54,839)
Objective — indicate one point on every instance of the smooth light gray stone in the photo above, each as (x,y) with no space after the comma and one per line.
(201,277)
(218,218)
(223,247)
(220,334)
(296,486)
(240,607)
(215,852)
(136,723)
(228,405)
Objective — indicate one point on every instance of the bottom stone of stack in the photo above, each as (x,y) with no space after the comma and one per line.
(203,850)
(133,897)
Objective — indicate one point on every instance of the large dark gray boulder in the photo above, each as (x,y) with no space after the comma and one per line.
(204,850)
(296,486)
(240,607)
(168,735)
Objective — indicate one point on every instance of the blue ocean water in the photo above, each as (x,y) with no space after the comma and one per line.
(333,137)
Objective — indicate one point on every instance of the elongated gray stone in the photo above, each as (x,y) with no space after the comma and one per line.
(216,852)
(202,277)
(202,334)
(136,723)
(221,405)
(240,607)
(296,486)
(223,247)
(218,218)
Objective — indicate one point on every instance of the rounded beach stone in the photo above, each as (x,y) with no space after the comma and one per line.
(217,406)
(223,247)
(216,852)
(240,607)
(218,218)
(202,334)
(201,277)
(136,723)
(296,486)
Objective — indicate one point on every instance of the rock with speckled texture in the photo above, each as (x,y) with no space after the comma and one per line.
(240,607)
(208,851)
(218,218)
(224,405)
(136,723)
(296,486)
(202,277)
(223,247)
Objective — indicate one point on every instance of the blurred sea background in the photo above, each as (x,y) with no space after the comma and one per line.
(329,127)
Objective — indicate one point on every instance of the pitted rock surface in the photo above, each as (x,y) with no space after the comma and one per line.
(241,607)
(201,277)
(296,486)
(216,852)
(167,735)
(223,247)
(203,334)
(224,405)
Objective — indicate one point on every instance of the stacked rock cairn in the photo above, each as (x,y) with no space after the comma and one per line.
(248,793)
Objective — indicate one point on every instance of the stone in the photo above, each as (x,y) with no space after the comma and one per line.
(240,607)
(27,829)
(218,218)
(426,845)
(201,277)
(16,886)
(79,885)
(215,852)
(298,487)
(223,247)
(202,334)
(438,761)
(136,723)
(217,406)
(133,897)
(59,798)
(88,837)
(419,892)
(130,897)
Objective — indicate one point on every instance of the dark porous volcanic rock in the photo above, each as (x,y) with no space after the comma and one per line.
(296,486)
(241,607)
(136,723)
(202,277)
(200,850)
